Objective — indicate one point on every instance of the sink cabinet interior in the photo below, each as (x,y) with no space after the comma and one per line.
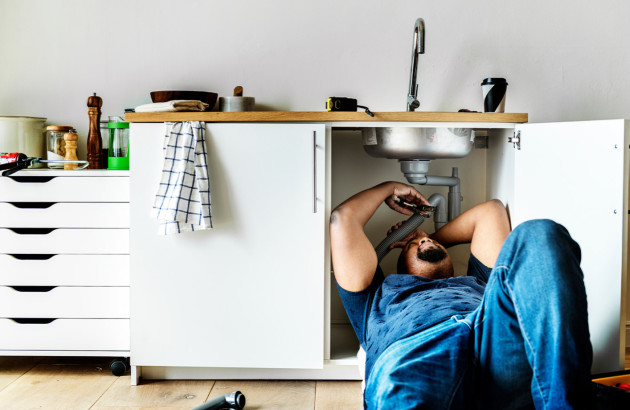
(353,170)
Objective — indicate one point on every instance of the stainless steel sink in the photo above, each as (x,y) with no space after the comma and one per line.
(417,143)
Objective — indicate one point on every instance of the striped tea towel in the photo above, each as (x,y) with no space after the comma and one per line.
(182,202)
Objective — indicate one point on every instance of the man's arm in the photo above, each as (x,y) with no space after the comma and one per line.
(353,256)
(484,226)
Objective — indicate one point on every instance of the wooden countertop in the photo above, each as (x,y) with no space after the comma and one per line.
(324,116)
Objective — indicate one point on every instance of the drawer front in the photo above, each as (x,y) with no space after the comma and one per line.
(63,215)
(72,241)
(64,270)
(65,334)
(64,189)
(64,302)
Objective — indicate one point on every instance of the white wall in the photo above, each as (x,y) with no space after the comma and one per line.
(564,59)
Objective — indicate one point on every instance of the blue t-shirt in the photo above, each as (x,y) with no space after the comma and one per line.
(400,305)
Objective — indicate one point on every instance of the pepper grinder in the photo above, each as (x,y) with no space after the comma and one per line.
(71,150)
(94,140)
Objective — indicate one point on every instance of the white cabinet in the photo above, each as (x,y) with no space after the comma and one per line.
(254,297)
(576,173)
(248,293)
(64,252)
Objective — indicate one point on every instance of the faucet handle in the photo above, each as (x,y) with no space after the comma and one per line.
(412,103)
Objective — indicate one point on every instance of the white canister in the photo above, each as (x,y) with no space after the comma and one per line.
(23,134)
(236,104)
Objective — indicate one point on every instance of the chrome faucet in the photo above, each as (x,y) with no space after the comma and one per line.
(418,48)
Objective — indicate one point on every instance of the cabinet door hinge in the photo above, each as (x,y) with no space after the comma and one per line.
(516,140)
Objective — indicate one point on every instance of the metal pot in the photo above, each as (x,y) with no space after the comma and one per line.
(23,134)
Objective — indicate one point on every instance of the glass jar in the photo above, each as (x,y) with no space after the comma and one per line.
(118,145)
(104,140)
(55,145)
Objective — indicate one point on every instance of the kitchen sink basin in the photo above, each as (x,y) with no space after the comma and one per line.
(409,143)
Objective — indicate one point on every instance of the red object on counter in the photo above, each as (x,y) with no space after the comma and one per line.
(12,157)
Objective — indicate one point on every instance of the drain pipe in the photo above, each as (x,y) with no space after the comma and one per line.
(440,217)
(415,172)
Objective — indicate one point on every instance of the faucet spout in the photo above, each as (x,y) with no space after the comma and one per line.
(418,48)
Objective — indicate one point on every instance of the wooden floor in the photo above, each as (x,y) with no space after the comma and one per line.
(86,383)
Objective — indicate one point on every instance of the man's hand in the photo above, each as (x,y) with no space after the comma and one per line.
(408,194)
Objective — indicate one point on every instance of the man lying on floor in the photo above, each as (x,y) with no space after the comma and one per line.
(512,333)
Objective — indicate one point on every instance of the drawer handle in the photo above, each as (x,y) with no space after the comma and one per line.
(32,205)
(32,256)
(39,289)
(35,180)
(32,321)
(32,231)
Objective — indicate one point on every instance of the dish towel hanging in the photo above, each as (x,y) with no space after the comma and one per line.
(182,202)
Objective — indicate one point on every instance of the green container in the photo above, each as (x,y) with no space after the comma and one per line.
(118,152)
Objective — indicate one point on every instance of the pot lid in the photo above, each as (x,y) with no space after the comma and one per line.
(59,128)
(22,118)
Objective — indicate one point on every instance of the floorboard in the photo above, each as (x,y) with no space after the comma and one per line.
(163,394)
(12,368)
(266,394)
(336,395)
(86,383)
(57,386)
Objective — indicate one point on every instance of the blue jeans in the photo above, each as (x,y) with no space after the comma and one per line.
(526,345)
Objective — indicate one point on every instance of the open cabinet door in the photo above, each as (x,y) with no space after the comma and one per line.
(576,174)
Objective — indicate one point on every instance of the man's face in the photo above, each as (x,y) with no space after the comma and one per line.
(422,256)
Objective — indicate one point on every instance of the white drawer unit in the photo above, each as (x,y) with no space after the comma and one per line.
(64,302)
(64,241)
(64,270)
(64,263)
(64,214)
(87,337)
(50,186)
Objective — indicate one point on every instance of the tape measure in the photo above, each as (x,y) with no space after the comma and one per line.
(345,104)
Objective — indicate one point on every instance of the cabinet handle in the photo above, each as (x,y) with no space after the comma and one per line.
(314,172)
(32,231)
(37,180)
(29,321)
(32,205)
(32,256)
(36,289)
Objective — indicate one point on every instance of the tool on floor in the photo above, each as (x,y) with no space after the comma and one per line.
(345,104)
(16,161)
(234,400)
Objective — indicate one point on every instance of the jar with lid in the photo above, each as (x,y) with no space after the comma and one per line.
(56,146)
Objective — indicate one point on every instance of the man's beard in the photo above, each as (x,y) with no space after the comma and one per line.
(431,254)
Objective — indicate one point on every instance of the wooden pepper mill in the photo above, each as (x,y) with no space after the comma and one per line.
(71,150)
(94,140)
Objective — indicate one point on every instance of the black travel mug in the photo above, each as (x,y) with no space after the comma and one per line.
(493,90)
